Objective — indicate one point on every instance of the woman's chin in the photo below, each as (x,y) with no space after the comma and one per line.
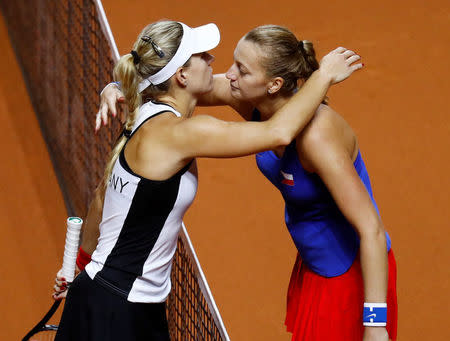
(206,90)
(235,93)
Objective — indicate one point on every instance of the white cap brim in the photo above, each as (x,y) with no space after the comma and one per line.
(194,40)
(204,38)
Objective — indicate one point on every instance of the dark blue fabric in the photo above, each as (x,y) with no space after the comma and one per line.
(326,241)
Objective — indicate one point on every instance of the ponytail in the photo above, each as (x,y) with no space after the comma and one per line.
(143,61)
(309,55)
(125,72)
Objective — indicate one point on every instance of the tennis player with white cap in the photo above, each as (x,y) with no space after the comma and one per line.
(151,177)
(195,40)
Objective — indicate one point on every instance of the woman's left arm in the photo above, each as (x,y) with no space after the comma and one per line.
(90,231)
(328,156)
(90,234)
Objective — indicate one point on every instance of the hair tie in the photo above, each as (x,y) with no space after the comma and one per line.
(126,133)
(136,58)
(157,49)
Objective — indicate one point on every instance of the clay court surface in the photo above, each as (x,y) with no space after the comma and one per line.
(398,105)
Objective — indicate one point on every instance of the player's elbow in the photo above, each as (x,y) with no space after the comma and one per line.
(374,232)
(281,137)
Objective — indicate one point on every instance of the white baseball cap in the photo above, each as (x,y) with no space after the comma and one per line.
(194,40)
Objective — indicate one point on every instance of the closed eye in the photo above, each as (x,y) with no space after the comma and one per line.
(242,70)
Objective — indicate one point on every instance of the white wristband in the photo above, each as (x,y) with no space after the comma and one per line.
(117,84)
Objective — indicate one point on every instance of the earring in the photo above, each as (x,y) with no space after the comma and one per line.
(269,91)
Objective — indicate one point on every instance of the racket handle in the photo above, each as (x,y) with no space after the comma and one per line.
(71,247)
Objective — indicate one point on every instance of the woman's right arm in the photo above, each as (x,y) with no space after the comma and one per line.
(205,136)
(110,96)
(219,96)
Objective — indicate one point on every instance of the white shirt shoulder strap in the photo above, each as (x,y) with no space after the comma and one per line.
(150,109)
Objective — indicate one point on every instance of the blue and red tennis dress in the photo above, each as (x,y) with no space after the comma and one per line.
(326,292)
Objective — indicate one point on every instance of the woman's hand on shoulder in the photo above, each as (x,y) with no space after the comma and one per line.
(109,98)
(339,64)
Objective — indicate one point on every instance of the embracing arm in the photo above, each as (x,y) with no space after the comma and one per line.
(204,136)
(221,93)
(219,96)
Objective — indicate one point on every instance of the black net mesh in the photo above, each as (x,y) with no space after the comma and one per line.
(66,60)
(189,316)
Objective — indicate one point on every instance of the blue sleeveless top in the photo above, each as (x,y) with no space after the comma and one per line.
(326,241)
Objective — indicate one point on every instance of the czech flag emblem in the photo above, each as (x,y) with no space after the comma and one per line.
(288,179)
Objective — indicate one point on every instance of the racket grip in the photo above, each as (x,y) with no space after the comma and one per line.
(71,247)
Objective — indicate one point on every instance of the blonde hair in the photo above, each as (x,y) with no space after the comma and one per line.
(130,71)
(284,55)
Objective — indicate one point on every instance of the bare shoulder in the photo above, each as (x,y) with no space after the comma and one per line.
(150,151)
(325,125)
(327,131)
(174,134)
(159,124)
(168,129)
(154,132)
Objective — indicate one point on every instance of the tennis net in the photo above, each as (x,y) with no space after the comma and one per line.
(67,52)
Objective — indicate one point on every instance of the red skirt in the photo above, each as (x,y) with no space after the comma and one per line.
(321,308)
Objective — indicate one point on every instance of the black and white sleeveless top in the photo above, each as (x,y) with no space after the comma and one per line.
(140,225)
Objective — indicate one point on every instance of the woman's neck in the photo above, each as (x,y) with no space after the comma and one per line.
(270,105)
(181,101)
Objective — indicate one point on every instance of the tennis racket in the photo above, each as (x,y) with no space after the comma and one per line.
(47,332)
